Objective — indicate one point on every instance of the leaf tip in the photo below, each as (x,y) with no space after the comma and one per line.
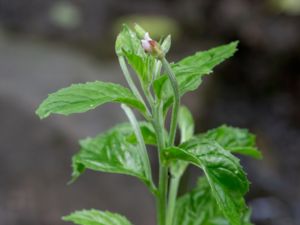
(41,113)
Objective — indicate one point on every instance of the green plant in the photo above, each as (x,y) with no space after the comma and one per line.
(218,198)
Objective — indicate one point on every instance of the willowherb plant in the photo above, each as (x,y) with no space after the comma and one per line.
(218,198)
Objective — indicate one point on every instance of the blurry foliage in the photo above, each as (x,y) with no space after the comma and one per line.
(289,6)
(65,14)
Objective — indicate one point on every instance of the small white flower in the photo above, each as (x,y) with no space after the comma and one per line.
(146,43)
(151,46)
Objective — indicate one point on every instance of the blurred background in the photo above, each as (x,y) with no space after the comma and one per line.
(46,45)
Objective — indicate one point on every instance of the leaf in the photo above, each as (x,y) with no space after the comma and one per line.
(128,41)
(166,44)
(199,207)
(223,171)
(95,217)
(190,70)
(143,66)
(83,97)
(115,151)
(147,132)
(235,140)
(185,123)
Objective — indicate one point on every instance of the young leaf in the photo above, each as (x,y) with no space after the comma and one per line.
(95,217)
(114,151)
(199,207)
(83,97)
(166,44)
(143,67)
(128,41)
(233,139)
(190,70)
(226,177)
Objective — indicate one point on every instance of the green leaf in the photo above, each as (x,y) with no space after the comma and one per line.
(190,70)
(148,134)
(166,44)
(95,217)
(115,151)
(143,66)
(185,123)
(83,97)
(128,41)
(235,140)
(226,177)
(199,207)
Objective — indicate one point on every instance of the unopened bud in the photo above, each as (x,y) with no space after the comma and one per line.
(151,46)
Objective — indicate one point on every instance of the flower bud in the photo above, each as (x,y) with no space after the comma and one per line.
(151,46)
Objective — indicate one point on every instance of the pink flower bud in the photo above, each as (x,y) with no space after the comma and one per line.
(151,46)
(146,43)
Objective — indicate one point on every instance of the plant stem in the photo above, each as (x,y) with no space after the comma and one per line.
(174,184)
(130,82)
(173,127)
(141,142)
(174,84)
(161,200)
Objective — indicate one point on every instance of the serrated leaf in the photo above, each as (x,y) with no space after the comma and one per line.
(199,207)
(115,151)
(226,177)
(190,70)
(235,140)
(79,98)
(96,217)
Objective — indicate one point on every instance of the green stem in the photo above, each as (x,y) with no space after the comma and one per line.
(174,184)
(141,142)
(130,82)
(161,200)
(174,84)
(173,127)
